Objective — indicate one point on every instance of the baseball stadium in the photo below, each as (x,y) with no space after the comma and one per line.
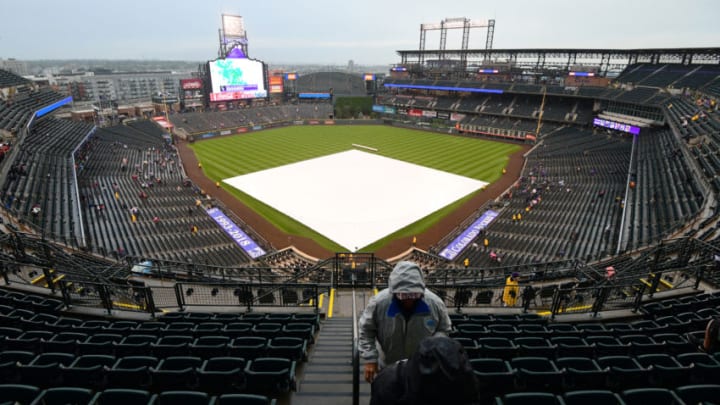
(217,243)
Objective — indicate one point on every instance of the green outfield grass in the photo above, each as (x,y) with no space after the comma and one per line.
(242,154)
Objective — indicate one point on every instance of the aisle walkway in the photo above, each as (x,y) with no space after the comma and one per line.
(327,376)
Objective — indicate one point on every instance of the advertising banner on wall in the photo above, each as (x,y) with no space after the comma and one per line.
(468,235)
(191,84)
(456,117)
(384,109)
(241,238)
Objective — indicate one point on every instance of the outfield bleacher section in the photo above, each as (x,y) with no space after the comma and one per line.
(213,121)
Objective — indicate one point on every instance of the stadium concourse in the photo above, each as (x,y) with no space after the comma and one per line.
(308,246)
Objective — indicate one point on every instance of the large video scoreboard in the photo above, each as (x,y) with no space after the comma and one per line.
(237,79)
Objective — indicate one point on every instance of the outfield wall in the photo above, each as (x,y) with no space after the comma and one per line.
(254,128)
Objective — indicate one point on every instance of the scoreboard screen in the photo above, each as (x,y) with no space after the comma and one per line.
(235,79)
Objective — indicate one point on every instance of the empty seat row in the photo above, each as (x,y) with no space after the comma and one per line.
(499,377)
(678,323)
(487,319)
(688,394)
(73,343)
(27,320)
(28,394)
(253,317)
(30,302)
(215,375)
(559,346)
(673,306)
(49,307)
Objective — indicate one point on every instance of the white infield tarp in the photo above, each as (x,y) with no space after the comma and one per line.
(355,198)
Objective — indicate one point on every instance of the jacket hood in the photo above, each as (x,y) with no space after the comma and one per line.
(406,277)
(440,372)
(441,356)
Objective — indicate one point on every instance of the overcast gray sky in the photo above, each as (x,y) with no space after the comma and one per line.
(335,31)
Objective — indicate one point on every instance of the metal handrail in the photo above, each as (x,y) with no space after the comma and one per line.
(355,355)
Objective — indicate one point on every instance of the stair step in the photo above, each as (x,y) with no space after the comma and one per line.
(327,376)
(344,386)
(329,355)
(338,368)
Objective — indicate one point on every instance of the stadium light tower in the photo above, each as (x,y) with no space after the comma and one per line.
(457,23)
(232,35)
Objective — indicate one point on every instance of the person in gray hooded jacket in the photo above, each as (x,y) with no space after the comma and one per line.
(398,318)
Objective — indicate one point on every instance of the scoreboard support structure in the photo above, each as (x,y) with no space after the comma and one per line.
(457,23)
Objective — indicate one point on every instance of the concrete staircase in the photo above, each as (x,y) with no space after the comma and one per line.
(327,376)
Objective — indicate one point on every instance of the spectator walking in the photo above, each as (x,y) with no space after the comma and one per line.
(398,318)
